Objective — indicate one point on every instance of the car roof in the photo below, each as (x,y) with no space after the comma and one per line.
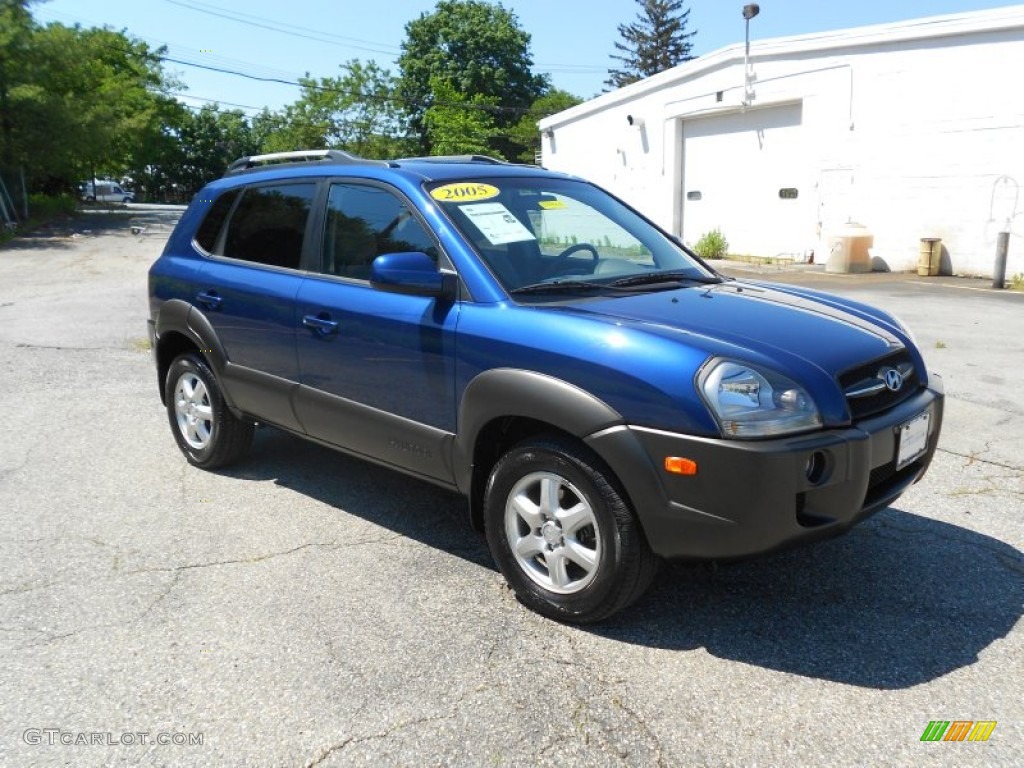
(318,163)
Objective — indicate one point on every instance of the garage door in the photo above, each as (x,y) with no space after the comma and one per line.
(745,174)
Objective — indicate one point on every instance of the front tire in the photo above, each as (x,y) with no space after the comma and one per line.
(563,534)
(205,429)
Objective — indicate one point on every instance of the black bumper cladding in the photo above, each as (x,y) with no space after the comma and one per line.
(752,497)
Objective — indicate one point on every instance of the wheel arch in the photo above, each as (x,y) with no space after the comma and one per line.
(503,407)
(181,328)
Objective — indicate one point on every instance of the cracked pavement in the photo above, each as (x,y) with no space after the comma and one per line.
(307,609)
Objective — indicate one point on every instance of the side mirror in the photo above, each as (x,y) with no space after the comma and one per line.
(414,273)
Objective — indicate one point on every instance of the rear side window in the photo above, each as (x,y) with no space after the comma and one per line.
(206,235)
(269,224)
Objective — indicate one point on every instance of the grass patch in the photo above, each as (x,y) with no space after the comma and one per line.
(42,209)
(139,344)
(940,345)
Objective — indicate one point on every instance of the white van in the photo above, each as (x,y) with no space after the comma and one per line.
(106,191)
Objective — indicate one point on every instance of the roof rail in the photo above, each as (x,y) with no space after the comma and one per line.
(304,155)
(455,159)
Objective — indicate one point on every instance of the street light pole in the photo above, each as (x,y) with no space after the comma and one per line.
(749,12)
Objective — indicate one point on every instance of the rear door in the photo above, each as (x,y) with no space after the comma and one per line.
(377,369)
(248,295)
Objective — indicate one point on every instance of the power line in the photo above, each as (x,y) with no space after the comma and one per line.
(281,27)
(215,101)
(355,94)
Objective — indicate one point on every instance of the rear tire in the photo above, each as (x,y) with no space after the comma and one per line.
(205,429)
(563,534)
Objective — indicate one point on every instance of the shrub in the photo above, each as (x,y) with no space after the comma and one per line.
(44,207)
(712,245)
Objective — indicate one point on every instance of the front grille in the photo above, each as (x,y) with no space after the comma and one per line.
(880,474)
(856,379)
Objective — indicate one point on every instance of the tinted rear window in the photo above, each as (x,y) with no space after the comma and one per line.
(207,233)
(269,224)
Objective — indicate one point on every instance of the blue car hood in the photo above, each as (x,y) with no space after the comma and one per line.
(733,317)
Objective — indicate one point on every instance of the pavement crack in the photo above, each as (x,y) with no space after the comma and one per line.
(330,751)
(973,458)
(31,587)
(634,716)
(995,550)
(239,561)
(22,345)
(401,726)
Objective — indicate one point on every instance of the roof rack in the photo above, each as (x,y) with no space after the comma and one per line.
(304,155)
(455,159)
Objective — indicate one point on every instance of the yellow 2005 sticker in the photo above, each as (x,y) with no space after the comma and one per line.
(463,192)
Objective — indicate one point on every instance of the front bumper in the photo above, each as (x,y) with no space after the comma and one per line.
(751,497)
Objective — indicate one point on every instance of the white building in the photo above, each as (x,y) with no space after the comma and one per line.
(913,129)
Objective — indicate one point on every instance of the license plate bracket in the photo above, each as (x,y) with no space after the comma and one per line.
(912,439)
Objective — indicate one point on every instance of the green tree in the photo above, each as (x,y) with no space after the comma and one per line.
(656,41)
(476,49)
(457,124)
(83,101)
(16,28)
(356,111)
(209,140)
(525,132)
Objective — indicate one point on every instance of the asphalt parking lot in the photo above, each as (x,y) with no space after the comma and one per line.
(304,608)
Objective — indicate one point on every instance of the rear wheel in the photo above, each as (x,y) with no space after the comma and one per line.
(205,429)
(563,533)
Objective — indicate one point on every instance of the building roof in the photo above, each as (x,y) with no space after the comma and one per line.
(932,27)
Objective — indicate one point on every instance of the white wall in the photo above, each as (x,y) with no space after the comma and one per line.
(903,128)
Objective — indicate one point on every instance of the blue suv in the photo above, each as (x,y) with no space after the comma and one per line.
(602,397)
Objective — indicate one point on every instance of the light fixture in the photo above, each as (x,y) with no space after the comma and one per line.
(749,12)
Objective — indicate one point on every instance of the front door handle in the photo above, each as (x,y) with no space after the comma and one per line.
(321,323)
(209,299)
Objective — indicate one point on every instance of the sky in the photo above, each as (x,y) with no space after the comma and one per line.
(572,40)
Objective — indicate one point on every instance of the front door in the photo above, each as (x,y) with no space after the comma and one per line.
(377,369)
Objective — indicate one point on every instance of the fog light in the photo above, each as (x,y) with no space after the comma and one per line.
(814,470)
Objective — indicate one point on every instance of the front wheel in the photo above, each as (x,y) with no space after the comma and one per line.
(563,534)
(205,429)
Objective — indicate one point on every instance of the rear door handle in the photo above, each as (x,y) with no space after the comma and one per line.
(209,299)
(321,323)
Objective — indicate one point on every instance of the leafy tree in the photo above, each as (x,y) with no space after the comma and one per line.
(656,41)
(208,141)
(458,124)
(356,112)
(525,131)
(477,49)
(16,28)
(81,102)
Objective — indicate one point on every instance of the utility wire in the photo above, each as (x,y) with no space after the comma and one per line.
(280,27)
(398,101)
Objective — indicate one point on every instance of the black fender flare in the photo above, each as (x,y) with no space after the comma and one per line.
(178,316)
(509,392)
(513,392)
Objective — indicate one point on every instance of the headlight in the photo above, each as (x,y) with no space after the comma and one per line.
(749,401)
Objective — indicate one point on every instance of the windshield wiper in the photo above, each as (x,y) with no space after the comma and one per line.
(651,278)
(554,286)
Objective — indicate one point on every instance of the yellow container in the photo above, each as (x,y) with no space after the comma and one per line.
(929,257)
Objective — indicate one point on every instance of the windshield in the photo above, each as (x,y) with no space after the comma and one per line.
(535,233)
